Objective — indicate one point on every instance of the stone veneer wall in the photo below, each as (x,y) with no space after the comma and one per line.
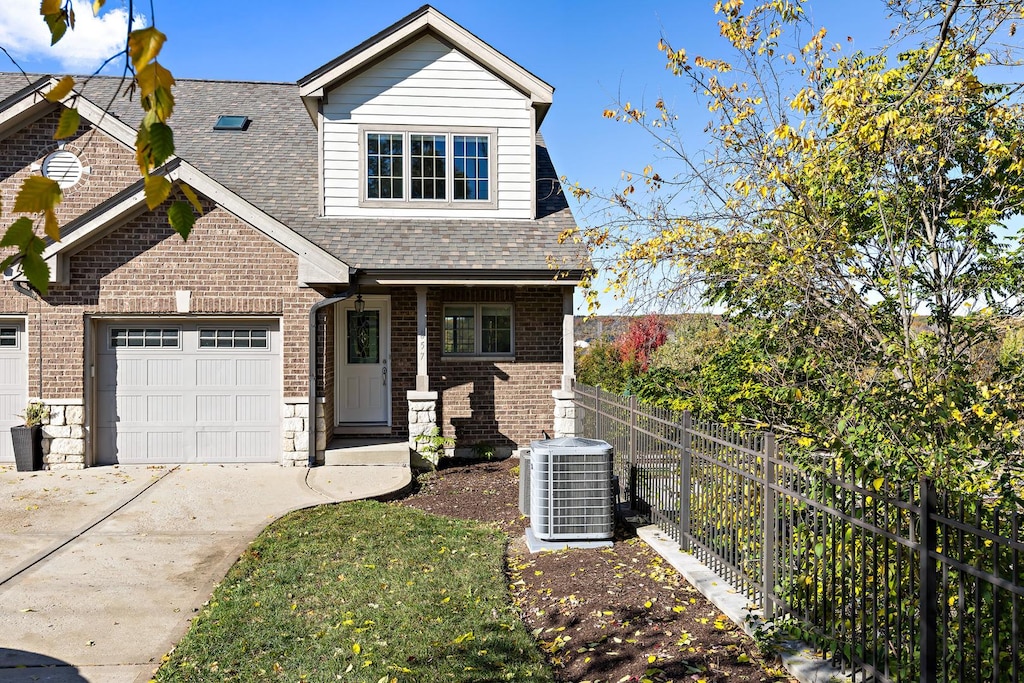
(64,437)
(295,432)
(565,413)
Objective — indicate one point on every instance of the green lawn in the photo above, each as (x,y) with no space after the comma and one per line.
(362,592)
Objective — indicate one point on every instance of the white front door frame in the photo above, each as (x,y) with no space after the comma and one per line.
(362,396)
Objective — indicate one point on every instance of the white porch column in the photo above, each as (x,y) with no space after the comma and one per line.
(422,378)
(568,340)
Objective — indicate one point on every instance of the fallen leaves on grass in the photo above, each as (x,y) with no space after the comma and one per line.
(609,615)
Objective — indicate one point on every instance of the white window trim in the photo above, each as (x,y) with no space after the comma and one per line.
(18,334)
(266,348)
(127,327)
(477,354)
(449,202)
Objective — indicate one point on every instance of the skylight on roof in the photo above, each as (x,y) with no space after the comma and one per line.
(232,123)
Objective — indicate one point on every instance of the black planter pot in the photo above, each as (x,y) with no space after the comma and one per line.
(28,447)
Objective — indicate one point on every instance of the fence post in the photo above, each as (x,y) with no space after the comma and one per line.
(769,451)
(631,451)
(685,484)
(597,413)
(928,599)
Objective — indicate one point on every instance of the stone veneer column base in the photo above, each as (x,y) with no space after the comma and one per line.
(295,432)
(565,413)
(422,416)
(64,436)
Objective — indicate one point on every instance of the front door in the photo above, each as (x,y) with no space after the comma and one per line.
(363,354)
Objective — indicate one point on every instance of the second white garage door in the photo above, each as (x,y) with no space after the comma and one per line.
(177,392)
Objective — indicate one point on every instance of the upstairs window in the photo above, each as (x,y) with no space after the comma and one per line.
(471,167)
(450,169)
(384,166)
(427,169)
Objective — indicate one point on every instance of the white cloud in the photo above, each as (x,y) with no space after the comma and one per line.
(25,35)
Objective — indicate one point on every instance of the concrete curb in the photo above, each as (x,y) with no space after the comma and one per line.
(799,658)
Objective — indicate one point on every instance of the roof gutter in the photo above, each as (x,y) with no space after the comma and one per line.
(311,418)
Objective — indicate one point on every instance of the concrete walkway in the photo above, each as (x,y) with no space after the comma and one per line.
(101,570)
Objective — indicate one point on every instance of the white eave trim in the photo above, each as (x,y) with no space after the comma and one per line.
(447,278)
(540,93)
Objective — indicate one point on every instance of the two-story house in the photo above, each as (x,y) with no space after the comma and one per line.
(379,249)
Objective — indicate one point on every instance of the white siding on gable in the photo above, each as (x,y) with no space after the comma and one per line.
(428,85)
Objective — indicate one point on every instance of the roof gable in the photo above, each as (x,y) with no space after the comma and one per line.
(424,21)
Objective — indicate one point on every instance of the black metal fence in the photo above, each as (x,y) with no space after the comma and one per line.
(894,581)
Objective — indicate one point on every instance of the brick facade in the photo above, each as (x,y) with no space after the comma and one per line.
(229,268)
(112,167)
(501,404)
(504,404)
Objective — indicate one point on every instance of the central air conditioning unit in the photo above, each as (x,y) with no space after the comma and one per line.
(570,484)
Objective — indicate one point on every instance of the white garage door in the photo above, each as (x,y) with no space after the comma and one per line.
(173,391)
(13,382)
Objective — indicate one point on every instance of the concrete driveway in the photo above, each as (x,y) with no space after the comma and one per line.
(102,569)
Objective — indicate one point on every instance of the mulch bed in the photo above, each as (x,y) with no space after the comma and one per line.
(611,615)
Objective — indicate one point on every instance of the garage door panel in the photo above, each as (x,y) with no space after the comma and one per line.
(13,382)
(166,409)
(11,407)
(131,372)
(254,372)
(165,372)
(192,402)
(257,443)
(164,446)
(254,409)
(215,372)
(215,409)
(130,408)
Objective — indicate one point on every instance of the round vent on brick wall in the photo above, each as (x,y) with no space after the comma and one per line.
(64,167)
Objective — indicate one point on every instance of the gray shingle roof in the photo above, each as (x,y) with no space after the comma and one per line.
(273,165)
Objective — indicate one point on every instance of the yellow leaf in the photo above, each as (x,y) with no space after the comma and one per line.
(158,188)
(877,483)
(67,125)
(152,77)
(61,89)
(144,45)
(190,195)
(37,194)
(51,226)
(651,659)
(356,648)
(97,5)
(49,7)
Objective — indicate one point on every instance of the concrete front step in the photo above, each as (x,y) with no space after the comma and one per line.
(385,452)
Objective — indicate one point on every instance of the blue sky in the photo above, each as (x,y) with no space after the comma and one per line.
(593,53)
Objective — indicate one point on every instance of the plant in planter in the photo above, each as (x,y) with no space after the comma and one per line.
(28,438)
